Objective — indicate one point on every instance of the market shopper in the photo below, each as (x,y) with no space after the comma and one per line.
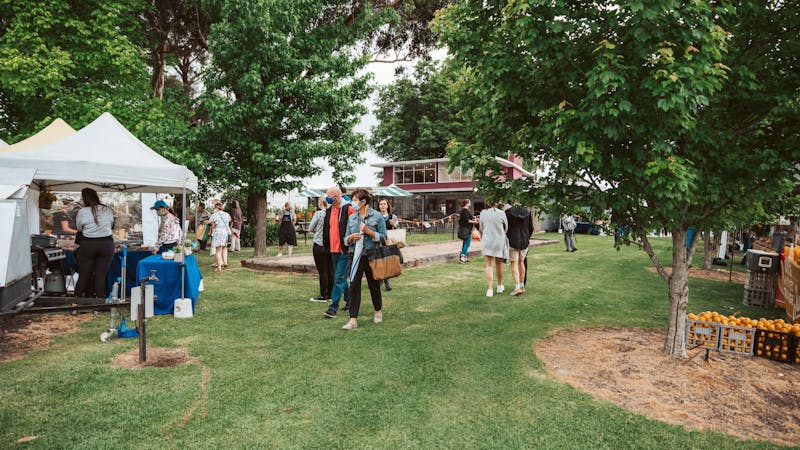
(236,227)
(287,235)
(367,225)
(201,225)
(333,233)
(465,222)
(169,228)
(569,224)
(95,222)
(494,245)
(63,220)
(220,233)
(322,257)
(391,224)
(520,229)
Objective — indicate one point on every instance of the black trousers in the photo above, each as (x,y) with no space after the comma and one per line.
(94,257)
(324,264)
(355,288)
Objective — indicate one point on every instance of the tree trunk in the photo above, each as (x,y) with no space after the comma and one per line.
(678,288)
(678,283)
(709,251)
(159,69)
(260,213)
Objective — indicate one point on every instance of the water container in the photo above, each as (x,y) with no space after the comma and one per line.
(183,308)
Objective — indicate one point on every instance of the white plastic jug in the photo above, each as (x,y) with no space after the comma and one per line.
(183,308)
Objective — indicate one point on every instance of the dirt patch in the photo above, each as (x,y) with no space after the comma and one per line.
(747,397)
(156,357)
(24,333)
(711,274)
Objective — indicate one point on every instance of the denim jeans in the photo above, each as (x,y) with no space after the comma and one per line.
(341,268)
(465,245)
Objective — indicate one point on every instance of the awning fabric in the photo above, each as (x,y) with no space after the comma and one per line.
(105,156)
(392,191)
(56,131)
(311,193)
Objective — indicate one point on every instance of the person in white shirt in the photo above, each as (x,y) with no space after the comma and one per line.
(95,224)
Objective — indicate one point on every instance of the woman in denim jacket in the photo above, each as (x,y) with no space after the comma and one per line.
(368,224)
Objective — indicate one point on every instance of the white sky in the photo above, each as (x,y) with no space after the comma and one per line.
(383,74)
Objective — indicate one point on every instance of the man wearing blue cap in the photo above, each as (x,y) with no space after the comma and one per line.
(169,228)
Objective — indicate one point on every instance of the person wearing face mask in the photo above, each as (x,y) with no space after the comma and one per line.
(369,225)
(287,234)
(95,222)
(333,231)
(169,228)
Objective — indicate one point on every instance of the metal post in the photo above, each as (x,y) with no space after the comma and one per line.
(142,330)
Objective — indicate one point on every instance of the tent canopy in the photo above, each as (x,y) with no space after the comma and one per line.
(56,131)
(3,143)
(103,155)
(392,191)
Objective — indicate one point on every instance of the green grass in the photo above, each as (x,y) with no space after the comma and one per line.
(448,368)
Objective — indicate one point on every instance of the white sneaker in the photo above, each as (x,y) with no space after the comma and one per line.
(500,288)
(279,254)
(489,293)
(350,326)
(378,319)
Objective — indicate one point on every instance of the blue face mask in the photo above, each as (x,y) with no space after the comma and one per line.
(329,200)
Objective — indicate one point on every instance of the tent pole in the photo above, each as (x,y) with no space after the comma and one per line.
(184,227)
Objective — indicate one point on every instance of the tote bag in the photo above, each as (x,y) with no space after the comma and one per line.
(384,261)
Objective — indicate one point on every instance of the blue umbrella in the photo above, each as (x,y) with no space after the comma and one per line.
(356,257)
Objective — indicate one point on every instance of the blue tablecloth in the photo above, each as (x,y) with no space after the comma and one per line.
(69,263)
(132,261)
(168,286)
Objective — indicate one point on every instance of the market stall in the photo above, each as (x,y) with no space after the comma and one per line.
(105,156)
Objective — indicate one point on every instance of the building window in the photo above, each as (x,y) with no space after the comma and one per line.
(455,175)
(415,174)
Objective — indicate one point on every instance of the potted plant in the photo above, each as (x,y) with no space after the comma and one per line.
(46,198)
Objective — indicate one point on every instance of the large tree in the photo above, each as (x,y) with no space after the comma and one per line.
(417,114)
(285,88)
(671,114)
(69,59)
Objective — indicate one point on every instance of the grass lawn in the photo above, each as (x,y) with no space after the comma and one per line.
(448,368)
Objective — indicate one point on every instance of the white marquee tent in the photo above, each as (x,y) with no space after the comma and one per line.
(105,156)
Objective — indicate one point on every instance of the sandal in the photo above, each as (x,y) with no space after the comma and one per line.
(214,265)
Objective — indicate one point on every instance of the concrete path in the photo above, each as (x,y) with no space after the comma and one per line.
(413,256)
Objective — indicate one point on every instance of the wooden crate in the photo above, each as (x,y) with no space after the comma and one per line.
(789,284)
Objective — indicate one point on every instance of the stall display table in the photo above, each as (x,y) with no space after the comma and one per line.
(115,270)
(168,287)
(70,264)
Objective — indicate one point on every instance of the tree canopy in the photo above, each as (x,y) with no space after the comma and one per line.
(670,114)
(417,114)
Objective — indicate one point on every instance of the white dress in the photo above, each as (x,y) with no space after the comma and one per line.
(220,219)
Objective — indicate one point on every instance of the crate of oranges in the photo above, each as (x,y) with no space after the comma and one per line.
(735,334)
(701,333)
(777,340)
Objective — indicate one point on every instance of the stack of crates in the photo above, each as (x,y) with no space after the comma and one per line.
(762,278)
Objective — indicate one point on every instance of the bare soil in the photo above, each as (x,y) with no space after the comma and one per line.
(748,397)
(711,274)
(24,333)
(156,357)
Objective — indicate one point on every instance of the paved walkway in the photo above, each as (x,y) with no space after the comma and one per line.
(413,256)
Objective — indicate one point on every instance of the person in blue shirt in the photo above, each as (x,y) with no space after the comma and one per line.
(368,225)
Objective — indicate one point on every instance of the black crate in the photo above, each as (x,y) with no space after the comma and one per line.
(762,281)
(796,351)
(775,345)
(759,261)
(763,298)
